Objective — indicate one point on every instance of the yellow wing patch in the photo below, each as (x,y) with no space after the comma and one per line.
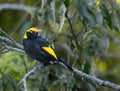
(50,51)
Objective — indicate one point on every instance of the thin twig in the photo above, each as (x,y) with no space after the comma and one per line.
(14,49)
(3,49)
(20,7)
(25,64)
(72,31)
(16,7)
(6,35)
(35,68)
(11,43)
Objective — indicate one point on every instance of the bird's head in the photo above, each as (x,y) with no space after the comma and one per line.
(31,33)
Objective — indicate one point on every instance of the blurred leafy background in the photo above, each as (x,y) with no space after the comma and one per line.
(92,45)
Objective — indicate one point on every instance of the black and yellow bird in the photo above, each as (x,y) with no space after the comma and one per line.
(40,49)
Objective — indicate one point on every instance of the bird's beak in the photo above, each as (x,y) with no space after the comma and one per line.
(38,30)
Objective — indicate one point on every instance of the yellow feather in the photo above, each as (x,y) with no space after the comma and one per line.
(25,36)
(50,51)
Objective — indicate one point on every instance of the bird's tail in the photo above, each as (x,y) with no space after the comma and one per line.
(62,62)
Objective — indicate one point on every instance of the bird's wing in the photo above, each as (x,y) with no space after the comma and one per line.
(46,46)
(50,50)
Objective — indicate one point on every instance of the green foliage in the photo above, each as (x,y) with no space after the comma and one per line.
(96,27)
(12,66)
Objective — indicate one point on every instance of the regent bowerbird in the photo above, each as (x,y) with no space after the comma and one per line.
(40,49)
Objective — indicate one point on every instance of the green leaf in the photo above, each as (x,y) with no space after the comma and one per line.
(90,87)
(56,83)
(71,82)
(82,7)
(44,83)
(47,15)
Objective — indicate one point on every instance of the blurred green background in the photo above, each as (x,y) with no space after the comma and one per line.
(92,45)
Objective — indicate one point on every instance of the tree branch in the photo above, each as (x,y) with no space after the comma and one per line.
(96,80)
(35,68)
(11,43)
(14,46)
(16,7)
(6,35)
(14,49)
